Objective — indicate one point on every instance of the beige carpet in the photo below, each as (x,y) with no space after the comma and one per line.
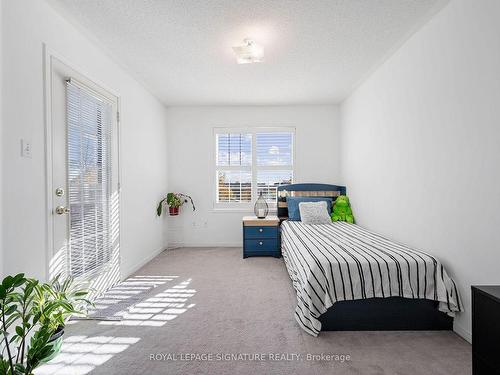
(208,311)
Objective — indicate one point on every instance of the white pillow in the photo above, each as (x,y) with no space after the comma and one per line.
(314,213)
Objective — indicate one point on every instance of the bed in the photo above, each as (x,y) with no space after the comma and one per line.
(348,278)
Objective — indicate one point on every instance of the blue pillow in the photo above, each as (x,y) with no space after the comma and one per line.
(293,205)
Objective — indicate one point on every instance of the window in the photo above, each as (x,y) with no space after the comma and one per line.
(250,162)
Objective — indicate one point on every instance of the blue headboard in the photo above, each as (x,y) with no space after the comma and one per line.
(305,190)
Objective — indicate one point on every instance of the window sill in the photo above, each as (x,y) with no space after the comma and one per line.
(222,210)
(229,210)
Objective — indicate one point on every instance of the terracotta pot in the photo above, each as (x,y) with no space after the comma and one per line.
(173,211)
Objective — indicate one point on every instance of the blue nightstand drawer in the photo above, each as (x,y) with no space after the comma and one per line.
(263,244)
(261,237)
(261,232)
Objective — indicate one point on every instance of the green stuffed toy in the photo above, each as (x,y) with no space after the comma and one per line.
(342,210)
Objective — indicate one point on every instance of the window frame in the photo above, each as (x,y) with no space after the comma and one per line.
(253,168)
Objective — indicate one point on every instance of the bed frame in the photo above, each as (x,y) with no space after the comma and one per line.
(370,314)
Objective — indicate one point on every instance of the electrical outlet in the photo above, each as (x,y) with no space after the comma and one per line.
(26,148)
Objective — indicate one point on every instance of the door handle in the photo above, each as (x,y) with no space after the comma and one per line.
(61,210)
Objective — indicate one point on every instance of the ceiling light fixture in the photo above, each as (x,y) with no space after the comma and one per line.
(249,53)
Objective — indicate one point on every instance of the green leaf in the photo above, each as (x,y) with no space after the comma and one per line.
(67,283)
(16,297)
(20,331)
(81,293)
(20,368)
(4,365)
(28,291)
(67,306)
(160,207)
(10,310)
(19,280)
(10,320)
(3,292)
(8,282)
(171,199)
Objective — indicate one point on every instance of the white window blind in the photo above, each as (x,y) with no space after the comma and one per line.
(234,160)
(234,149)
(89,128)
(274,162)
(250,162)
(274,148)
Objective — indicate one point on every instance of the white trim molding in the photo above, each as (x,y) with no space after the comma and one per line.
(462,332)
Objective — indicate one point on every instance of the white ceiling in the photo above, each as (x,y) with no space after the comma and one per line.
(316,51)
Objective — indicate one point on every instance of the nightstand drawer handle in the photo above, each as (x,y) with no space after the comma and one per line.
(261,243)
(260,230)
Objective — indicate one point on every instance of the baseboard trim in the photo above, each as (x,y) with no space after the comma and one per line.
(462,332)
(173,245)
(137,266)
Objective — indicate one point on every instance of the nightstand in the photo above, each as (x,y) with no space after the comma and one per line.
(261,237)
(485,330)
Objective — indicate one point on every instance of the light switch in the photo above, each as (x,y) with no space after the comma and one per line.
(25,148)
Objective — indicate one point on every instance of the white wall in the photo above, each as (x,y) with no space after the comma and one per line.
(1,130)
(420,145)
(191,161)
(28,24)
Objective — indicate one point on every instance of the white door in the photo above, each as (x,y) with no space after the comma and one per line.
(84,188)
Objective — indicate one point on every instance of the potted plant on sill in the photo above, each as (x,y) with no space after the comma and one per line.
(27,333)
(174,202)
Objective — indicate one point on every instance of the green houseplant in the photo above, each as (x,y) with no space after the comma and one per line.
(26,345)
(174,202)
(29,313)
(56,302)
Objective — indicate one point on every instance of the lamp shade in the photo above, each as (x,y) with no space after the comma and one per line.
(261,208)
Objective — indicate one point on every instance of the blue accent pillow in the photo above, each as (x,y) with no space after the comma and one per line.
(293,205)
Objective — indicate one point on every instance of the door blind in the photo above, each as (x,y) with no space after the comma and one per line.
(89,129)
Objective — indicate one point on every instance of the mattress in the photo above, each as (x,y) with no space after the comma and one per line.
(340,261)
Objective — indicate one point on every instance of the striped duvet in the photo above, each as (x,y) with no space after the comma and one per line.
(341,261)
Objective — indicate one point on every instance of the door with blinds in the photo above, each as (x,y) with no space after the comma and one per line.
(84,192)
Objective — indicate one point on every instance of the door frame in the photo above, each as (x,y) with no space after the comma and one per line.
(48,56)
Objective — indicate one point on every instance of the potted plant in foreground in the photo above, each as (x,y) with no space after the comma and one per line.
(174,202)
(56,302)
(30,316)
